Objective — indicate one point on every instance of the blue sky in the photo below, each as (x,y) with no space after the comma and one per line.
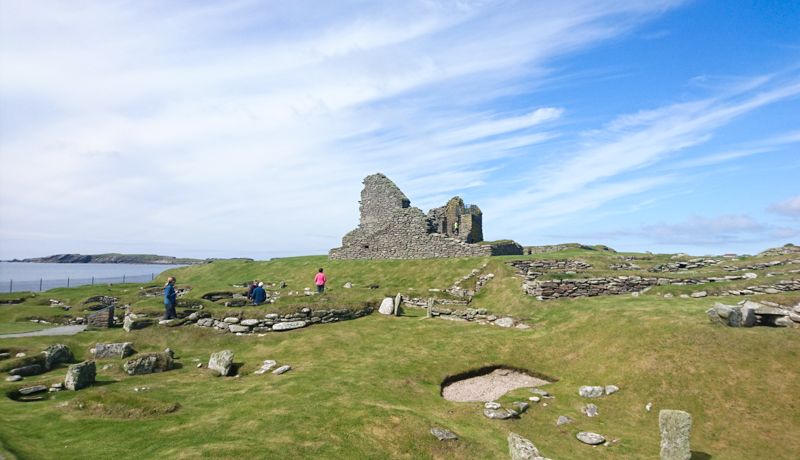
(244,129)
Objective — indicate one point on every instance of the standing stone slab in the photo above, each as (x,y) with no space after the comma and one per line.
(103,318)
(222,362)
(520,448)
(55,354)
(80,375)
(676,427)
(431,302)
(397,301)
(387,306)
(714,316)
(735,318)
(113,350)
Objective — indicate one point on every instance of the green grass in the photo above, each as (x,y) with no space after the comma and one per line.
(369,388)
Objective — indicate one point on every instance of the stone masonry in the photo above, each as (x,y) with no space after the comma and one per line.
(391,229)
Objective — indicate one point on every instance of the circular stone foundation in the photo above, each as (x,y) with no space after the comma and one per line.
(488,384)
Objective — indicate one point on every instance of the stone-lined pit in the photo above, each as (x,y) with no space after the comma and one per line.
(489,383)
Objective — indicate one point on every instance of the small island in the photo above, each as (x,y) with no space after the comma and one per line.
(113,258)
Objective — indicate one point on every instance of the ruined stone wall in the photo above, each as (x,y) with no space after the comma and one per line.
(391,229)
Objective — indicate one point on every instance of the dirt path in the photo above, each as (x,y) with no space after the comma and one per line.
(60,330)
(490,386)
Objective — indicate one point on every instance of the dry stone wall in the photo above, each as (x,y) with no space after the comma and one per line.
(391,229)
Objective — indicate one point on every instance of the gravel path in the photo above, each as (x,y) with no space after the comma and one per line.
(60,330)
(490,386)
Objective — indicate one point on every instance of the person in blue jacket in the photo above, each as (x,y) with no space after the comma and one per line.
(259,294)
(170,299)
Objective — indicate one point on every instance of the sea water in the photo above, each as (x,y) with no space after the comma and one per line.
(23,276)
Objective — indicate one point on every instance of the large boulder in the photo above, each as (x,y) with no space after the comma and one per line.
(80,375)
(55,354)
(724,311)
(387,306)
(591,392)
(113,350)
(221,362)
(676,426)
(148,363)
(521,449)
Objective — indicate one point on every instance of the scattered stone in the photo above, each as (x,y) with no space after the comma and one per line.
(55,354)
(750,275)
(387,306)
(684,296)
(282,370)
(199,365)
(635,294)
(676,428)
(170,353)
(590,410)
(14,378)
(20,355)
(268,364)
(534,399)
(80,375)
(221,362)
(591,392)
(442,434)
(5,355)
(148,363)
(522,406)
(699,294)
(522,326)
(504,322)
(492,405)
(539,392)
(113,350)
(31,390)
(648,406)
(590,438)
(562,420)
(27,371)
(668,296)
(108,366)
(348,285)
(521,449)
(610,389)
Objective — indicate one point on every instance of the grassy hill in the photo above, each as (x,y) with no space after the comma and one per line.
(370,388)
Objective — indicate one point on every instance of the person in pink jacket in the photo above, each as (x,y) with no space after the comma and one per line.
(320,280)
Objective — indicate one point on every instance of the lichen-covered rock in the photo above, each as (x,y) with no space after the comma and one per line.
(521,449)
(442,434)
(497,414)
(591,392)
(80,375)
(113,350)
(735,318)
(676,428)
(563,420)
(590,410)
(27,371)
(148,363)
(610,389)
(504,322)
(55,354)
(130,323)
(221,362)
(714,316)
(31,390)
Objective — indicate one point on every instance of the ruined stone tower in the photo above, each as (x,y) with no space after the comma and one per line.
(391,229)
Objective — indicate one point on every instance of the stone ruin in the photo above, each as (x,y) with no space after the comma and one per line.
(391,229)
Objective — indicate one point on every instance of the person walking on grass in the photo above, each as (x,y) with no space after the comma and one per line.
(320,280)
(250,290)
(170,299)
(259,294)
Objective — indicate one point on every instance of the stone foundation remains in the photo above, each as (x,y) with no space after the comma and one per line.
(391,229)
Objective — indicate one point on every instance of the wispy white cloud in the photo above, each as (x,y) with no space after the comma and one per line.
(789,207)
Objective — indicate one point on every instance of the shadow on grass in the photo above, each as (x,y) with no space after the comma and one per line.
(700,456)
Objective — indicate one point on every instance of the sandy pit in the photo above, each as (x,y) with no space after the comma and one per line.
(490,386)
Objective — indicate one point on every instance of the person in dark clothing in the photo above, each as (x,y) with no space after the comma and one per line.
(170,299)
(250,290)
(259,294)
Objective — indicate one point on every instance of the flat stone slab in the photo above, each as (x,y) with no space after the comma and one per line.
(34,389)
(590,438)
(497,414)
(288,325)
(591,392)
(113,350)
(282,370)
